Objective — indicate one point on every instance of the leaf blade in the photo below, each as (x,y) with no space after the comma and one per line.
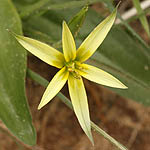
(36,77)
(142,18)
(14,110)
(95,38)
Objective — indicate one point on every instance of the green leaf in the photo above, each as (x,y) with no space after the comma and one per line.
(122,56)
(26,11)
(43,25)
(107,136)
(77,21)
(43,6)
(43,28)
(142,18)
(36,77)
(14,110)
(128,27)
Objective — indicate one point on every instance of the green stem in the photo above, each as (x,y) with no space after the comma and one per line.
(36,77)
(129,28)
(133,18)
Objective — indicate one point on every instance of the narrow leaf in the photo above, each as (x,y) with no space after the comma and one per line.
(142,18)
(95,38)
(36,77)
(44,5)
(14,111)
(77,21)
(119,55)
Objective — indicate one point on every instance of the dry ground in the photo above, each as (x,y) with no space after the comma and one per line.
(57,127)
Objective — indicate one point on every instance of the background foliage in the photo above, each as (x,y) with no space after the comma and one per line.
(123,53)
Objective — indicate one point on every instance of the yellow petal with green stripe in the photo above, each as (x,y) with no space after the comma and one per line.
(80,105)
(41,50)
(99,76)
(69,47)
(54,86)
(95,38)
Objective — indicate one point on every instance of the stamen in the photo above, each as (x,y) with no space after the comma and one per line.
(76,75)
(72,66)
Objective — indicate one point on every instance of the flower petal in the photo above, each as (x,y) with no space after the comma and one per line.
(69,47)
(95,38)
(80,104)
(43,51)
(54,86)
(99,76)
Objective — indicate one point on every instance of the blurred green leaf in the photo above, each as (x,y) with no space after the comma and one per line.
(120,54)
(36,77)
(14,110)
(35,34)
(43,6)
(43,25)
(75,24)
(124,57)
(26,11)
(133,18)
(129,28)
(77,21)
(44,28)
(142,18)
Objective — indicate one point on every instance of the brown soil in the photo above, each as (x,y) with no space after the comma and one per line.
(57,127)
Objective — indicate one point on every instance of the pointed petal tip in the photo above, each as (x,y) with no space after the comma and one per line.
(91,139)
(65,26)
(118,85)
(13,33)
(101,77)
(92,143)
(68,43)
(96,37)
(8,30)
(90,136)
(124,87)
(121,86)
(64,22)
(39,107)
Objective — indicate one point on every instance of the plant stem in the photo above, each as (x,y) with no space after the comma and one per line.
(36,77)
(129,28)
(133,18)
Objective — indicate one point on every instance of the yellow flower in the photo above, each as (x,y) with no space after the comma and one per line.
(73,69)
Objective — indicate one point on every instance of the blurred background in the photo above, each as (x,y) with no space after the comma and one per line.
(122,115)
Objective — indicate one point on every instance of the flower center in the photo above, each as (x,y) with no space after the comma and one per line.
(72,68)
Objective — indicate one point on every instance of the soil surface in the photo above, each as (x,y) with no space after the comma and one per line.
(58,129)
